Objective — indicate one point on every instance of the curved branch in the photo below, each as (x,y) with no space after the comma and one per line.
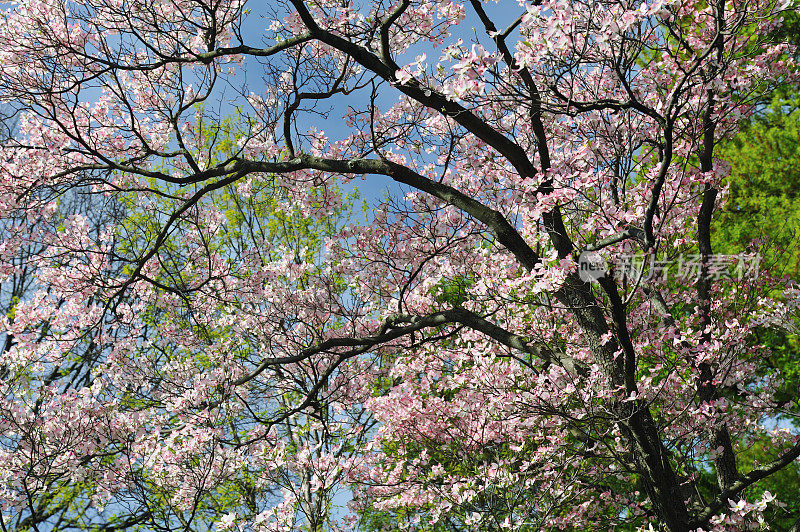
(515,154)
(506,234)
(743,483)
(398,326)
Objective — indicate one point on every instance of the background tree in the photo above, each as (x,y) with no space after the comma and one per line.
(250,228)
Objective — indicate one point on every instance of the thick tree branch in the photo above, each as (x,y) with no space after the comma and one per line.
(743,482)
(403,325)
(424,95)
(506,234)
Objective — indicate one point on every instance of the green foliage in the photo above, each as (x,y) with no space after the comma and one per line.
(764,195)
(453,292)
(762,213)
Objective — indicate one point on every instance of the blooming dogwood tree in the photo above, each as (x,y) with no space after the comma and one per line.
(480,354)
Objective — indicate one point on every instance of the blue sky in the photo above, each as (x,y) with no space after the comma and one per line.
(373,188)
